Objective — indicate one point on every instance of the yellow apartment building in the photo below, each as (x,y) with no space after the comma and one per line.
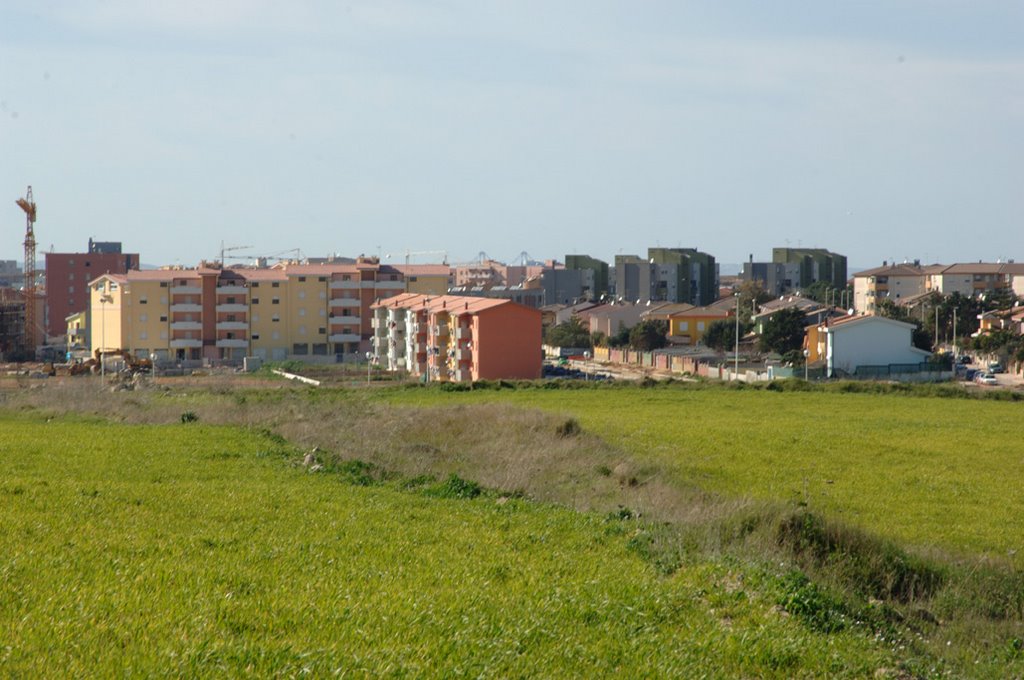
(290,311)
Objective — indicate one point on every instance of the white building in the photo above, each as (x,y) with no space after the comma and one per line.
(856,341)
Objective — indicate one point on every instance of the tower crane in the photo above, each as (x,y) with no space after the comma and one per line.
(410,253)
(228,249)
(29,206)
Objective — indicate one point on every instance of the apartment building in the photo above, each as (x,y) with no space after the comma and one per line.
(892,281)
(68,276)
(975,278)
(667,275)
(457,338)
(812,265)
(209,313)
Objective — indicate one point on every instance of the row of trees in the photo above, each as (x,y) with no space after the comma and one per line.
(644,336)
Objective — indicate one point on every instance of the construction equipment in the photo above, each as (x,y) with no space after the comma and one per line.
(29,206)
(410,253)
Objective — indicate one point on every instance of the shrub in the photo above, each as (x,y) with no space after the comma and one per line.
(189,417)
(455,487)
(568,428)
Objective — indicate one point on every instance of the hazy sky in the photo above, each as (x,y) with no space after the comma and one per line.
(879,129)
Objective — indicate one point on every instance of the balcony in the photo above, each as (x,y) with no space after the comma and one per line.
(387,285)
(345,302)
(346,320)
(345,337)
(184,343)
(186,326)
(186,290)
(232,325)
(232,290)
(441,330)
(464,354)
(344,285)
(463,332)
(232,342)
(235,307)
(185,308)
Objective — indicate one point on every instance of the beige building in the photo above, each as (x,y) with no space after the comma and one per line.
(289,311)
(975,278)
(893,281)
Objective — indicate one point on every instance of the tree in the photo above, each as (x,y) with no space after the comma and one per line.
(784,331)
(648,335)
(571,333)
(721,334)
(621,337)
(751,293)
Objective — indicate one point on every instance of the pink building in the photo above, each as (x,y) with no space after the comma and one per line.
(458,338)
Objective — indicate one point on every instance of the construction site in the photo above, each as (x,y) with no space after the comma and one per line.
(20,322)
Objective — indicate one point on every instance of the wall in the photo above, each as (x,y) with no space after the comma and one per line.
(873,341)
(508,343)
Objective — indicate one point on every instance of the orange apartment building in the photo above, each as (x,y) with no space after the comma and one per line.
(457,338)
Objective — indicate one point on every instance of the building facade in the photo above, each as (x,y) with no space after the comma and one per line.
(456,338)
(290,311)
(68,276)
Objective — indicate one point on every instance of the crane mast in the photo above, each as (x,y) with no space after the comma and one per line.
(29,206)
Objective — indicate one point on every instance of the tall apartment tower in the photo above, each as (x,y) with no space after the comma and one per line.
(68,276)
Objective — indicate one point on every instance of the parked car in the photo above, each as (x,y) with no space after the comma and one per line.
(986,379)
(971,373)
(996,367)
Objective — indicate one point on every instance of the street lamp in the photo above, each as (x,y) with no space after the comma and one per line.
(104,299)
(370,359)
(807,354)
(736,346)
(586,366)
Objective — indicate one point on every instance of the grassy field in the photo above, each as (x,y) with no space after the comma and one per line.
(196,550)
(928,472)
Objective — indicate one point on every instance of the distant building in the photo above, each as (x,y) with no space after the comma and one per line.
(10,273)
(68,276)
(890,281)
(813,265)
(972,279)
(667,275)
(594,275)
(564,286)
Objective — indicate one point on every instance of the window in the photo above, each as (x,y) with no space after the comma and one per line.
(71,263)
(231,300)
(276,335)
(302,311)
(275,284)
(275,301)
(684,326)
(255,318)
(71,276)
(300,348)
(323,295)
(142,335)
(142,300)
(113,286)
(142,318)
(346,277)
(71,289)
(302,295)
(255,336)
(163,319)
(87,263)
(321,279)
(323,312)
(302,279)
(322,331)
(163,284)
(302,330)
(163,299)
(255,301)
(275,318)
(700,325)
(320,348)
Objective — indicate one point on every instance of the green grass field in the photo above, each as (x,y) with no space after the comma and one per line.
(928,472)
(195,550)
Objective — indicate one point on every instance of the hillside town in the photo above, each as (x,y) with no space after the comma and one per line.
(799,312)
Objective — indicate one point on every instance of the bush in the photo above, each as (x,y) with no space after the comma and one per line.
(455,487)
(189,417)
(816,607)
(569,428)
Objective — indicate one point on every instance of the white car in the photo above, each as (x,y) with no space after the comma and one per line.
(986,379)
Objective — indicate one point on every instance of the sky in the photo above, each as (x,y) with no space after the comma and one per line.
(883,130)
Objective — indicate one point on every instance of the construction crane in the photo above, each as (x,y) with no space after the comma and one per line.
(228,250)
(29,206)
(410,253)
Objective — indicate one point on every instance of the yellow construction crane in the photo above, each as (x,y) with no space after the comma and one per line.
(29,206)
